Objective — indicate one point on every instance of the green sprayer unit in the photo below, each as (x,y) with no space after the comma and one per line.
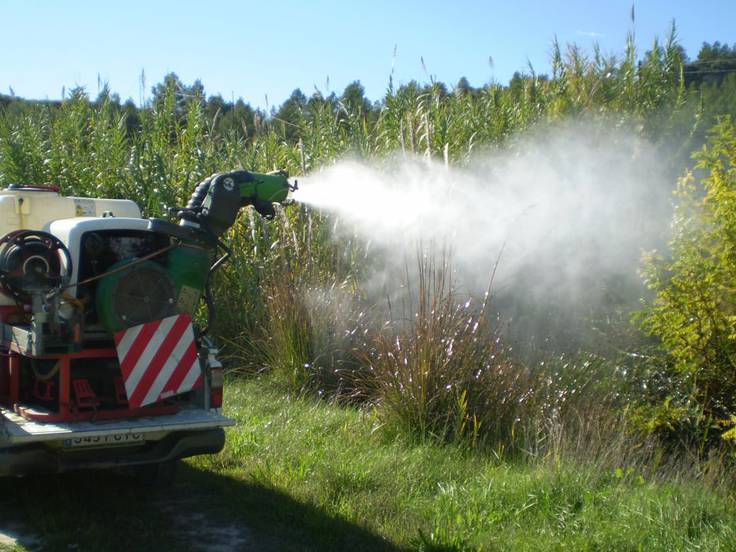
(102,363)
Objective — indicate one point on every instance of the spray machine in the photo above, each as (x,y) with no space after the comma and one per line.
(96,309)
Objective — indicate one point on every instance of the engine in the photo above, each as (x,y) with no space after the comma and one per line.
(88,279)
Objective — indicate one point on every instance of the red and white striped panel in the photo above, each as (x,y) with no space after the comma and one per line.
(158,360)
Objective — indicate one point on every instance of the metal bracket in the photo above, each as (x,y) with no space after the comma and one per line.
(21,337)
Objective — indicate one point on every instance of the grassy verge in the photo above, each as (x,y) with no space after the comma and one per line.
(334,461)
(303,475)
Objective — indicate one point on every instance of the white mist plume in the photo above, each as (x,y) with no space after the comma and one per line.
(572,209)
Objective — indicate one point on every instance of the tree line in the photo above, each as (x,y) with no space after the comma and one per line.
(711,76)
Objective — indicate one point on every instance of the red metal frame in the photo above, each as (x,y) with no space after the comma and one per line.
(6,311)
(105,352)
(67,411)
(14,376)
(4,378)
(9,310)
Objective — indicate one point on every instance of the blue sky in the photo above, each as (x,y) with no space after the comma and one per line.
(255,49)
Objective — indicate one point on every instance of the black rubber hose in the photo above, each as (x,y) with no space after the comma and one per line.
(199,193)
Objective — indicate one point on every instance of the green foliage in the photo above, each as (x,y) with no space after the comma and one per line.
(694,312)
(308,300)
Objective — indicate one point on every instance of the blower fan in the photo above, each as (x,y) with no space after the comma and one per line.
(135,294)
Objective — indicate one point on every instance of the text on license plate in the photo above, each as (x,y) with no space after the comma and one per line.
(104,440)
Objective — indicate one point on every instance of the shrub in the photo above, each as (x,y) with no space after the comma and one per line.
(694,312)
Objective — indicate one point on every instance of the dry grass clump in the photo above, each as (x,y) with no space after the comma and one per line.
(437,368)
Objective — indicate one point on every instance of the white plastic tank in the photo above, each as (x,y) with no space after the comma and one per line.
(37,208)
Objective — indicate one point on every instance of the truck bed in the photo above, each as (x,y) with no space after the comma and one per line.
(15,430)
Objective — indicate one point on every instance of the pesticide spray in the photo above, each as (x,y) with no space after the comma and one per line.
(564,214)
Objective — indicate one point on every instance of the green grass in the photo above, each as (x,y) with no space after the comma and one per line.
(300,474)
(427,496)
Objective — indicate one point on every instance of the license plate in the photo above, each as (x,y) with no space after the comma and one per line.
(104,440)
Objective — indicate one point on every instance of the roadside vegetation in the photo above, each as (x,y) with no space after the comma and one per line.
(416,421)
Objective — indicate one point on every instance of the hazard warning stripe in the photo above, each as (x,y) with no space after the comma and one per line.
(182,356)
(134,364)
(158,360)
(163,352)
(127,341)
(178,377)
(193,379)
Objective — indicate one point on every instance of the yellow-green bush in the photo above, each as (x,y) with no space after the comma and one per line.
(694,312)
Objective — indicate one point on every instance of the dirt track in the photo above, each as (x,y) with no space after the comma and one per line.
(101,511)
